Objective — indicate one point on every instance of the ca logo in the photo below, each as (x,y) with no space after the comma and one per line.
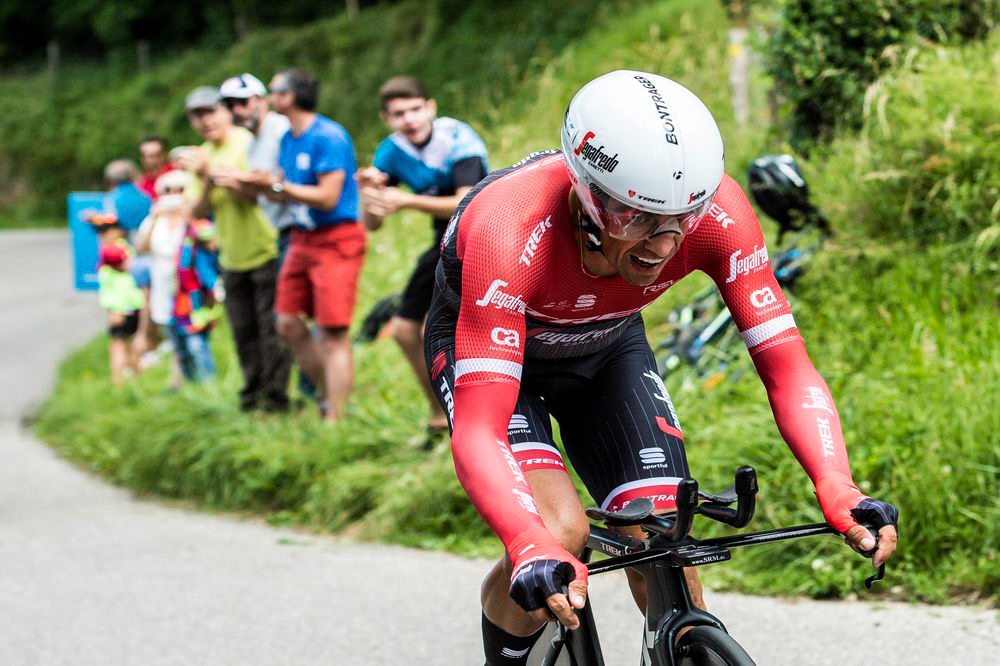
(506,337)
(763,297)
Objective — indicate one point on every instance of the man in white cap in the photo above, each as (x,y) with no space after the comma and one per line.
(246,98)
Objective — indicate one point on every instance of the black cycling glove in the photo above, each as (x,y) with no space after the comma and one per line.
(538,580)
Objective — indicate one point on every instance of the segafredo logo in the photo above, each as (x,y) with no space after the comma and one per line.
(695,196)
(754,261)
(660,104)
(536,236)
(598,159)
(501,300)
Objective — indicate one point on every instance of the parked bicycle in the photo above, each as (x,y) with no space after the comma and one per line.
(702,345)
(660,560)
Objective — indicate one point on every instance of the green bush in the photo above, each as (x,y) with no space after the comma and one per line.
(926,166)
(825,53)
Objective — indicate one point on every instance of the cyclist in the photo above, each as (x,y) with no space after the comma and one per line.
(544,270)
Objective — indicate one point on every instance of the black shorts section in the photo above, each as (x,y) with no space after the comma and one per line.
(617,422)
(126,329)
(416,299)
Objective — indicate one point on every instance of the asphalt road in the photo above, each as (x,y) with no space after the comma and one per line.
(90,575)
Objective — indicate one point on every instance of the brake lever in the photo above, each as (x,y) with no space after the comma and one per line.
(880,573)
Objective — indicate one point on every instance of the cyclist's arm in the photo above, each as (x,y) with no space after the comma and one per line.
(487,381)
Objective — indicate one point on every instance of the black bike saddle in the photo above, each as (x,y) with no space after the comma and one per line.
(632,513)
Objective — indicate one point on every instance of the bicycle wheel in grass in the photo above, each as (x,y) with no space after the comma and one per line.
(709,646)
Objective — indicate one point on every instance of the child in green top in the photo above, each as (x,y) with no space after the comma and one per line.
(119,295)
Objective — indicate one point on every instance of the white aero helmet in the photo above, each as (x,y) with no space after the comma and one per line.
(644,154)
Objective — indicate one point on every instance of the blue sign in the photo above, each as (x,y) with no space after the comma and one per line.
(84,237)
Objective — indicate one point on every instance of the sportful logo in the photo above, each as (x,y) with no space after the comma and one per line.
(817,400)
(652,456)
(754,261)
(517,422)
(506,337)
(598,159)
(661,108)
(515,654)
(536,236)
(763,297)
(500,300)
(585,302)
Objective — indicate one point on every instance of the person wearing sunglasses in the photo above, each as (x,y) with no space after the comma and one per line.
(545,268)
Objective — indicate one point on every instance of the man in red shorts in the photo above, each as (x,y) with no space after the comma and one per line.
(319,278)
(545,267)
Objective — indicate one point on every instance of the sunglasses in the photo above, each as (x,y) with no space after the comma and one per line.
(233,102)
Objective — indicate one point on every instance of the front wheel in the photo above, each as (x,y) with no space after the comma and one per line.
(710,646)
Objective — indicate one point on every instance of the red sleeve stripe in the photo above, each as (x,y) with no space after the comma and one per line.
(469,365)
(763,332)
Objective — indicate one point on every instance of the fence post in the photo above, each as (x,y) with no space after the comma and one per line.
(142,54)
(52,52)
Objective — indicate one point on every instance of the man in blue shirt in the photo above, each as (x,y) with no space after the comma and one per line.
(319,277)
(439,160)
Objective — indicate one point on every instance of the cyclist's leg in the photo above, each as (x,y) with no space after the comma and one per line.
(622,435)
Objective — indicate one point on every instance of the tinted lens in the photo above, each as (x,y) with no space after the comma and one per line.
(627,223)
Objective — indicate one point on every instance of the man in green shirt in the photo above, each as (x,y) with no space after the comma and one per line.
(247,248)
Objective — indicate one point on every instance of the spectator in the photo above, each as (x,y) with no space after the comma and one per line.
(246,98)
(129,203)
(247,249)
(160,236)
(319,278)
(196,300)
(439,160)
(131,206)
(153,156)
(118,294)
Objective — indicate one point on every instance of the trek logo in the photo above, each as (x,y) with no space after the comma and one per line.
(518,424)
(526,501)
(515,469)
(657,288)
(825,436)
(536,236)
(506,337)
(753,262)
(817,399)
(652,456)
(500,300)
(658,201)
(715,212)
(449,402)
(585,302)
(762,298)
(660,105)
(695,196)
(598,159)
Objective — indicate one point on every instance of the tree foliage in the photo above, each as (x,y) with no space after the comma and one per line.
(825,53)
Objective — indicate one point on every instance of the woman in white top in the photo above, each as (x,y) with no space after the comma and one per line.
(160,236)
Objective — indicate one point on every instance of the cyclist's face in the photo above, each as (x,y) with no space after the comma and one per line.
(411,116)
(639,262)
